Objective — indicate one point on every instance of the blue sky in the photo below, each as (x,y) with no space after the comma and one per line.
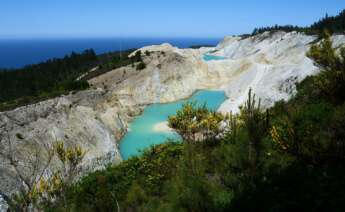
(154,18)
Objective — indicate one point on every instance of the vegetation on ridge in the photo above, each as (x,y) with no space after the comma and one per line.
(55,77)
(334,24)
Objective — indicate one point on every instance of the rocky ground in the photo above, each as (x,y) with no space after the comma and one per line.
(270,64)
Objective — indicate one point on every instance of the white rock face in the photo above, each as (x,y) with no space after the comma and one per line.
(270,64)
(90,119)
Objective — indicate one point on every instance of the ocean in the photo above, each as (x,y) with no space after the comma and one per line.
(16,53)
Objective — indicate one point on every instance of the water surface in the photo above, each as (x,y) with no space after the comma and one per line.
(15,53)
(209,57)
(142,134)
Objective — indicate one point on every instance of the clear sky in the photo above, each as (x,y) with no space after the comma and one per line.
(154,18)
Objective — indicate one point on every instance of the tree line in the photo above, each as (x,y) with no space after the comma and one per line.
(54,77)
(334,24)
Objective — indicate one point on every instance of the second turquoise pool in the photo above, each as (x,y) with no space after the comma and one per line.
(209,57)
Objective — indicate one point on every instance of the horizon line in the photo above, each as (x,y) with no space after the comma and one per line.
(15,37)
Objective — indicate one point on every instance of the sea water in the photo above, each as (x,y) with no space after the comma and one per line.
(16,53)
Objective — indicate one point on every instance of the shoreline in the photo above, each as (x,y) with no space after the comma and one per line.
(161,127)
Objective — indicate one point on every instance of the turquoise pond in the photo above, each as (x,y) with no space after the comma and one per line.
(141,133)
(208,57)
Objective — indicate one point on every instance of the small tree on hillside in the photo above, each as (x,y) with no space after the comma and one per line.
(331,80)
(141,66)
(256,123)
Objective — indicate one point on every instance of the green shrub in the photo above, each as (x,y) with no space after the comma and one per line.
(331,80)
(20,136)
(196,123)
(337,127)
(137,57)
(141,66)
(147,53)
